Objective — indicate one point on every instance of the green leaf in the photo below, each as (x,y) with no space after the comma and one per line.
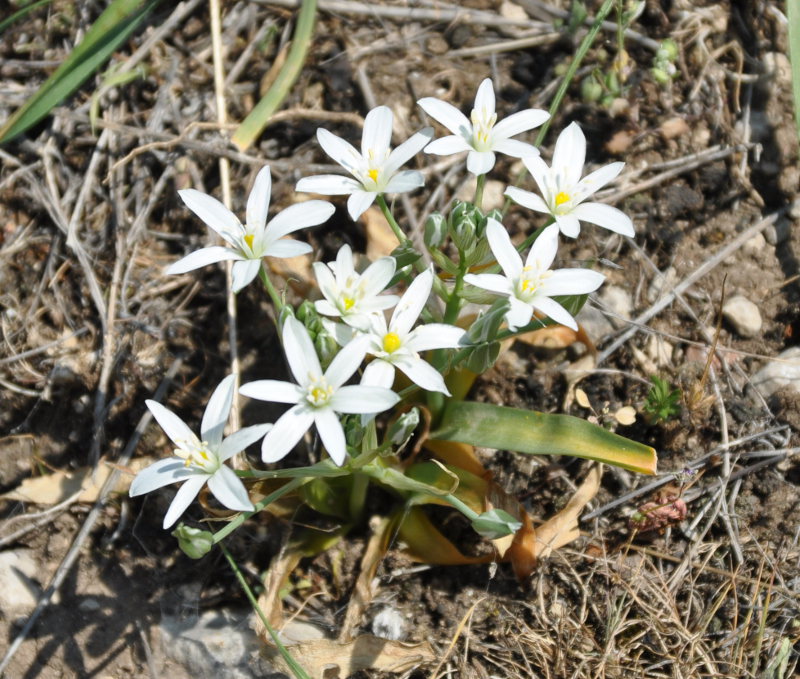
(524,431)
(111,29)
(496,524)
(5,23)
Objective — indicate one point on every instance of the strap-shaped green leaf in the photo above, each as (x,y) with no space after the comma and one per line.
(526,431)
(110,30)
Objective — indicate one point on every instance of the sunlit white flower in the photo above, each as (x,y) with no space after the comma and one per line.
(318,397)
(249,242)
(375,169)
(397,345)
(532,285)
(198,461)
(564,192)
(351,296)
(482,135)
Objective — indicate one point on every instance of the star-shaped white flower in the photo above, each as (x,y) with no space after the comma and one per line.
(248,243)
(318,397)
(482,135)
(564,192)
(532,285)
(351,296)
(375,169)
(397,345)
(198,461)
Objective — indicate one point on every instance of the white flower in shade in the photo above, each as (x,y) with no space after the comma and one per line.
(249,242)
(198,461)
(375,169)
(564,192)
(396,345)
(482,135)
(532,285)
(351,296)
(318,397)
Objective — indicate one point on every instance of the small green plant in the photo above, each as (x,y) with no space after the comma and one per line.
(663,402)
(663,70)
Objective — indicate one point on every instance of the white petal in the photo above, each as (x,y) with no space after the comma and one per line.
(341,151)
(541,175)
(555,311)
(480,162)
(544,248)
(569,224)
(346,362)
(173,426)
(258,201)
(343,334)
(532,201)
(274,391)
(358,202)
(243,273)
(229,490)
(514,148)
(447,146)
(606,216)
(239,440)
(300,352)
(377,276)
(411,303)
(286,247)
(490,281)
(377,135)
(448,115)
(332,435)
(288,430)
(183,498)
(361,399)
(378,373)
(569,154)
(159,474)
(217,411)
(572,282)
(434,336)
(504,251)
(594,181)
(203,257)
(328,185)
(326,282)
(212,212)
(325,308)
(484,99)
(299,216)
(343,267)
(519,314)
(422,374)
(521,121)
(405,181)
(407,150)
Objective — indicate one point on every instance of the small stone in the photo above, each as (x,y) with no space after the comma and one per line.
(659,351)
(511,10)
(89,605)
(618,303)
(755,245)
(594,322)
(493,198)
(662,284)
(437,45)
(389,624)
(777,233)
(778,66)
(743,315)
(782,372)
(19,590)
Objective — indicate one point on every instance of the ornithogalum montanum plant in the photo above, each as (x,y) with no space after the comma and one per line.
(380,357)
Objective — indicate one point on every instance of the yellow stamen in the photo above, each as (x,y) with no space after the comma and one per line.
(561,198)
(373,175)
(249,240)
(391,342)
(318,394)
(528,285)
(349,302)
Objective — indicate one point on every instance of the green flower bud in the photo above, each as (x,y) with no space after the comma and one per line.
(195,543)
(435,231)
(495,524)
(591,90)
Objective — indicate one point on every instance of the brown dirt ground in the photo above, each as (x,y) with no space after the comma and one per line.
(674,603)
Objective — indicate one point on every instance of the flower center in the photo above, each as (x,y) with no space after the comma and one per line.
(561,198)
(348,303)
(391,342)
(195,455)
(373,175)
(319,392)
(482,125)
(249,238)
(530,281)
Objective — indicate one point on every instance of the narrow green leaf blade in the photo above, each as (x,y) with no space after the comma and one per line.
(793,14)
(525,431)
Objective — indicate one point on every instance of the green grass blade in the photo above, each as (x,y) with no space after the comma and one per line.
(5,23)
(110,30)
(255,123)
(525,431)
(793,14)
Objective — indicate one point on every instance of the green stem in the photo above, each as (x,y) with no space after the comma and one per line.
(461,507)
(294,666)
(479,191)
(273,293)
(358,495)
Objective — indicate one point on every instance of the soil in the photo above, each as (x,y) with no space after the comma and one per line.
(708,154)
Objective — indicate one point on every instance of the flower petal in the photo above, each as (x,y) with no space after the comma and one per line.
(405,181)
(422,374)
(407,150)
(183,498)
(328,185)
(522,121)
(504,251)
(569,224)
(542,176)
(216,414)
(514,148)
(299,216)
(229,490)
(358,202)
(555,311)
(213,213)
(484,99)
(239,440)
(411,303)
(274,391)
(434,336)
(203,257)
(243,273)
(377,276)
(480,162)
(569,155)
(300,352)
(160,474)
(288,430)
(377,135)
(606,216)
(594,181)
(363,399)
(286,247)
(532,201)
(448,115)
(572,282)
(544,248)
(447,146)
(493,282)
(378,373)
(173,426)
(258,201)
(341,151)
(346,362)
(519,314)
(332,435)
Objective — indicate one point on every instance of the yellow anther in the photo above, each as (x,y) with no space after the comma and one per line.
(349,303)
(249,240)
(561,198)
(391,342)
(528,285)
(318,394)
(373,175)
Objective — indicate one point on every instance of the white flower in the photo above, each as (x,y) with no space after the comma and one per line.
(351,296)
(532,285)
(317,397)
(480,135)
(563,190)
(396,345)
(255,239)
(198,461)
(375,169)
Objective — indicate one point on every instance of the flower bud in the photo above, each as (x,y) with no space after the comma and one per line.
(435,231)
(195,543)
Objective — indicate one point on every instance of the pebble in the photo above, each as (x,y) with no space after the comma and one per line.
(594,322)
(662,284)
(618,302)
(743,316)
(779,232)
(389,624)
(783,371)
(19,590)
(755,245)
(493,198)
